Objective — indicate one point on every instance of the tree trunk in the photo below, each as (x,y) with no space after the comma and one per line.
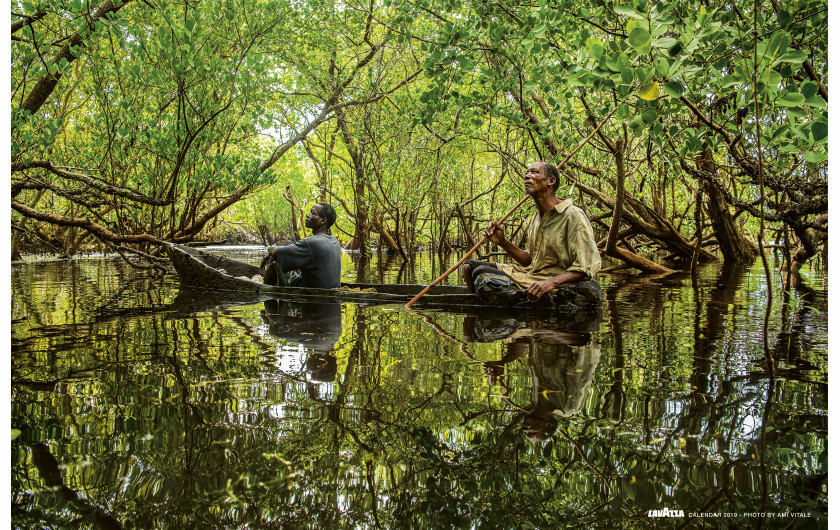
(386,237)
(653,226)
(359,241)
(18,234)
(733,244)
(809,241)
(443,243)
(612,249)
(465,226)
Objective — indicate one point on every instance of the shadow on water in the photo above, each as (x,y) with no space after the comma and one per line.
(144,407)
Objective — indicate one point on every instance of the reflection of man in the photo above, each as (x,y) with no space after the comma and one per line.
(317,327)
(322,366)
(561,365)
(317,257)
(561,244)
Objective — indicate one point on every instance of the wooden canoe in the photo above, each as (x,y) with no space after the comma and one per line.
(200,270)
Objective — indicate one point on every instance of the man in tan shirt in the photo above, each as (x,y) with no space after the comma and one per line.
(561,243)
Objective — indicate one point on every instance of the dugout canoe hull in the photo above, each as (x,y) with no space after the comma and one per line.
(199,270)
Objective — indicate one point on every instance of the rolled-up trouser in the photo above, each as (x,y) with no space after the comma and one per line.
(287,279)
(493,279)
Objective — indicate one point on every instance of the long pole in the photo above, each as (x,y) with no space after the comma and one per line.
(503,219)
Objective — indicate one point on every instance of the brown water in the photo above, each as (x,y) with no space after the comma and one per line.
(141,408)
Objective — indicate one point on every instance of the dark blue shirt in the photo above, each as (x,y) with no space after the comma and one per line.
(318,257)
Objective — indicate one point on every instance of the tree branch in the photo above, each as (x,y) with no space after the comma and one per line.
(46,85)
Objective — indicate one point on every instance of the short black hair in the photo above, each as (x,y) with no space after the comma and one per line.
(551,171)
(328,213)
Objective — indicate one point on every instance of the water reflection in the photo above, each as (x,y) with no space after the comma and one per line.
(50,473)
(317,327)
(226,413)
(560,365)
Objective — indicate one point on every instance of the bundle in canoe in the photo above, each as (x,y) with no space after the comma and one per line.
(208,272)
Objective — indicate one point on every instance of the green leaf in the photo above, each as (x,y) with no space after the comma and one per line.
(623,110)
(791,99)
(793,56)
(772,78)
(664,42)
(820,130)
(786,71)
(649,92)
(808,89)
(600,72)
(645,74)
(676,49)
(674,89)
(15,433)
(675,69)
(661,65)
(649,116)
(816,101)
(664,19)
(639,38)
(815,157)
(797,112)
(628,12)
(627,76)
(783,18)
(800,133)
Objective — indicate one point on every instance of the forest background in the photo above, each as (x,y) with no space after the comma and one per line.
(145,121)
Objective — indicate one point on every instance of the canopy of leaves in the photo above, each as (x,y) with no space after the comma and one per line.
(420,108)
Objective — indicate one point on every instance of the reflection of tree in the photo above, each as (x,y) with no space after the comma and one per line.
(711,311)
(741,419)
(48,468)
(188,412)
(614,399)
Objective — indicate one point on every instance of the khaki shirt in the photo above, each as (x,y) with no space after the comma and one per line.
(561,241)
(561,374)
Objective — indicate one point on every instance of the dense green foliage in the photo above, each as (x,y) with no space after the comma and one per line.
(415,117)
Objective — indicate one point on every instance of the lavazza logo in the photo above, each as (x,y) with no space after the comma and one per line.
(665,512)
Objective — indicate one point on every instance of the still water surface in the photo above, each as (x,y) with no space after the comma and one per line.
(143,407)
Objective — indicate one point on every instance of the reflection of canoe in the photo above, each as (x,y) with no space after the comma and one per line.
(199,270)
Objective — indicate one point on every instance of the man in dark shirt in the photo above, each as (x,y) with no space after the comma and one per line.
(317,257)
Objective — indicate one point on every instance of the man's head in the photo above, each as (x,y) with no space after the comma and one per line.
(541,176)
(538,425)
(321,217)
(322,366)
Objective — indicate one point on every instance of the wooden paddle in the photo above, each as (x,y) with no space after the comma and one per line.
(503,219)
